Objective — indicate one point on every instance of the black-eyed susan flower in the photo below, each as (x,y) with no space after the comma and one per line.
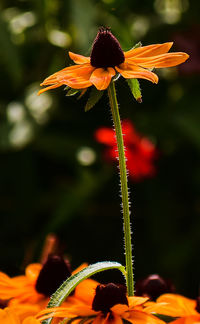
(107,304)
(107,59)
(29,293)
(185,310)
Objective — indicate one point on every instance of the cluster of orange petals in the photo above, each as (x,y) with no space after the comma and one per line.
(182,310)
(138,64)
(174,305)
(20,293)
(9,316)
(26,306)
(79,307)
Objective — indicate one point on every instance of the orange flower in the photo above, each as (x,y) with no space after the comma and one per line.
(107,59)
(107,304)
(30,293)
(176,306)
(9,316)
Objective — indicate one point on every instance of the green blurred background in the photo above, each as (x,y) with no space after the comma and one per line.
(47,184)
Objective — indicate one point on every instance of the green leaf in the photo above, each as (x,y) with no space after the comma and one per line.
(135,89)
(68,286)
(95,96)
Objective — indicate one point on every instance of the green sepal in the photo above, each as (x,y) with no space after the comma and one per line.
(135,89)
(139,44)
(125,321)
(94,97)
(72,92)
(134,83)
(69,285)
(165,318)
(116,77)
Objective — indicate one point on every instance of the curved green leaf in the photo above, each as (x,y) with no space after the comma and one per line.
(68,286)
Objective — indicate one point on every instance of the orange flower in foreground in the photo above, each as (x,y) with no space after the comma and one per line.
(107,59)
(107,304)
(29,293)
(176,306)
(140,151)
(8,316)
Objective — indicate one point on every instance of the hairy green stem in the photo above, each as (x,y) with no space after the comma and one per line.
(124,187)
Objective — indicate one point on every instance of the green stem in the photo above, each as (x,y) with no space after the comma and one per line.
(124,187)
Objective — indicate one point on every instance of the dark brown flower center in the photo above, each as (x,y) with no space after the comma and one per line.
(53,273)
(153,286)
(106,50)
(107,296)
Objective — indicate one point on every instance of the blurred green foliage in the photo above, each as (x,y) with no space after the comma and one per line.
(46,183)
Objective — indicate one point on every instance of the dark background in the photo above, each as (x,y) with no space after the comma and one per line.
(45,187)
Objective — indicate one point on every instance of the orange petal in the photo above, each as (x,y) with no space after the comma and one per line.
(30,320)
(69,311)
(81,310)
(173,305)
(54,86)
(136,301)
(110,319)
(85,291)
(160,61)
(81,267)
(113,319)
(101,77)
(193,319)
(79,59)
(76,77)
(53,312)
(32,271)
(8,316)
(137,317)
(119,309)
(98,319)
(131,71)
(71,71)
(11,287)
(149,50)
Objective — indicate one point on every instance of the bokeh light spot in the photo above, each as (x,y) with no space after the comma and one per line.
(21,134)
(59,38)
(38,106)
(15,112)
(171,10)
(86,156)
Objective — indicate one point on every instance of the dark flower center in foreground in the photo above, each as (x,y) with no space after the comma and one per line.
(198,304)
(106,50)
(153,286)
(107,296)
(53,273)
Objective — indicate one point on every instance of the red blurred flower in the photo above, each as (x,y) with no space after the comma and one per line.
(140,151)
